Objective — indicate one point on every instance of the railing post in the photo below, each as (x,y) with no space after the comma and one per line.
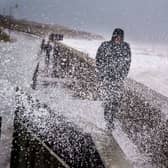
(34,80)
(0,125)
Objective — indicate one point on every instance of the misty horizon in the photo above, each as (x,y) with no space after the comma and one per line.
(142,21)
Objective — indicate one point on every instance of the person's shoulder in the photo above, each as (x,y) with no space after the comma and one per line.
(126,44)
(104,44)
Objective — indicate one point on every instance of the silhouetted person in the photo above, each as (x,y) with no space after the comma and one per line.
(57,60)
(48,49)
(42,45)
(112,64)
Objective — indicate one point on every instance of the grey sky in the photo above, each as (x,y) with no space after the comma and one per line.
(145,20)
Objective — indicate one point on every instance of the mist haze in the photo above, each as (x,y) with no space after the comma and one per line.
(144,20)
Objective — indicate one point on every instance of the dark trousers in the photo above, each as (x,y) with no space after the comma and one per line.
(47,59)
(111,108)
(111,94)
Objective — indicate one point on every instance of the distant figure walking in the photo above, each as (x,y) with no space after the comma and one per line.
(57,60)
(113,61)
(48,49)
(42,46)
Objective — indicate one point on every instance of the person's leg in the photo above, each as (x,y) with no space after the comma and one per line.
(108,114)
(111,108)
(48,59)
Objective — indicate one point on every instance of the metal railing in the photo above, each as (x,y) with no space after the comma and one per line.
(59,143)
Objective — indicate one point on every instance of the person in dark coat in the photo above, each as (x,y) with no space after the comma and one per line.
(48,49)
(113,61)
(42,45)
(57,60)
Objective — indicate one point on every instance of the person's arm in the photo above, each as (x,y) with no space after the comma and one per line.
(127,60)
(100,61)
(100,57)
